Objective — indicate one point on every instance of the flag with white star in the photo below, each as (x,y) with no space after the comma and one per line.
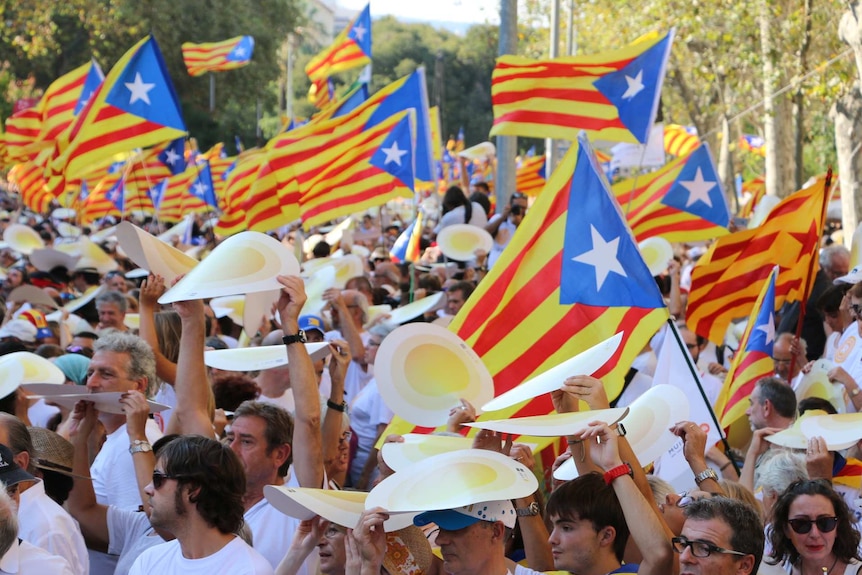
(350,49)
(683,201)
(135,107)
(173,156)
(395,155)
(202,186)
(94,79)
(612,96)
(221,56)
(753,360)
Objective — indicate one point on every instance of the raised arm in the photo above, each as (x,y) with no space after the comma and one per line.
(192,387)
(307,451)
(646,529)
(334,418)
(82,504)
(152,289)
(137,412)
(349,330)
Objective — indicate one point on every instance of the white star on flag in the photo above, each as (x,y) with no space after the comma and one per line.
(171,157)
(769,329)
(139,90)
(603,257)
(200,189)
(359,31)
(239,52)
(635,84)
(393,154)
(698,189)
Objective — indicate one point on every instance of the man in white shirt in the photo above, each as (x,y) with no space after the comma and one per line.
(196,494)
(42,521)
(17,556)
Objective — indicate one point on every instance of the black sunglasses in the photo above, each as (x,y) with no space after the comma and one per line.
(159,478)
(803,525)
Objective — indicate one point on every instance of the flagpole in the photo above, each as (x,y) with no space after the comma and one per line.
(696,377)
(804,299)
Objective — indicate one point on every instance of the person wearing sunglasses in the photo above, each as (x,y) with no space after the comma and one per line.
(812,531)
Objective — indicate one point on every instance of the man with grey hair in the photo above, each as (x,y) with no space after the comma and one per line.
(16,555)
(42,521)
(121,362)
(112,307)
(834,263)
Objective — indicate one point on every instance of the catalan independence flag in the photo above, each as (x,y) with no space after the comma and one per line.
(680,140)
(572,277)
(29,180)
(136,107)
(64,98)
(237,186)
(22,133)
(350,49)
(682,202)
(406,247)
(726,281)
(753,190)
(217,56)
(530,176)
(754,358)
(753,144)
(612,96)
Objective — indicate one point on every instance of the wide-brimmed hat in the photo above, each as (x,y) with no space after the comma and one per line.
(460,241)
(46,259)
(408,552)
(153,254)
(414,309)
(424,370)
(552,424)
(416,447)
(840,430)
(52,452)
(657,253)
(461,517)
(23,239)
(32,295)
(258,358)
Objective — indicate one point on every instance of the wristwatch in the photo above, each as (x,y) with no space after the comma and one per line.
(530,511)
(139,446)
(704,475)
(298,338)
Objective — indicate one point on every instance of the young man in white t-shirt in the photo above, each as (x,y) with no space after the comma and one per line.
(196,494)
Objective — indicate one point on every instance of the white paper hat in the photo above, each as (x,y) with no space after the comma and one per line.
(153,254)
(106,401)
(258,358)
(414,309)
(453,479)
(22,238)
(64,214)
(657,253)
(423,370)
(341,507)
(479,151)
(32,295)
(792,437)
(247,262)
(585,363)
(346,267)
(552,424)
(92,256)
(841,430)
(416,448)
(36,369)
(46,259)
(460,241)
(318,282)
(11,375)
(816,383)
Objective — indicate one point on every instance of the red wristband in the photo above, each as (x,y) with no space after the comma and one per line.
(618,471)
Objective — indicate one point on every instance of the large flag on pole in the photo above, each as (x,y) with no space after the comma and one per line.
(681,202)
(136,107)
(217,56)
(754,360)
(350,49)
(726,281)
(612,96)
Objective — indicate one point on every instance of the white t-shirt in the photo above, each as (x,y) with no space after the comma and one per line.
(456,216)
(501,240)
(366,412)
(166,396)
(113,470)
(26,559)
(831,345)
(355,378)
(129,535)
(235,558)
(42,522)
(284,401)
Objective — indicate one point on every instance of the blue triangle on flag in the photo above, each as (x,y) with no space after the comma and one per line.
(762,336)
(144,89)
(360,32)
(243,50)
(173,156)
(157,193)
(697,189)
(353,101)
(601,263)
(395,155)
(202,186)
(91,83)
(635,89)
(116,195)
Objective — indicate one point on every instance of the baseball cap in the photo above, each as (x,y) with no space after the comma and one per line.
(10,472)
(855,276)
(461,517)
(310,322)
(37,318)
(20,329)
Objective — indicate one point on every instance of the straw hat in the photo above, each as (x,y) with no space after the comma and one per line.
(408,552)
(52,452)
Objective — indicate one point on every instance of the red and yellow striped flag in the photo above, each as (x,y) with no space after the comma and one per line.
(233,218)
(530,176)
(727,279)
(350,49)
(678,141)
(228,54)
(22,132)
(270,204)
(755,189)
(29,179)
(60,101)
(612,96)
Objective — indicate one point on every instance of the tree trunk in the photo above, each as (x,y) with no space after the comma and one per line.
(847,115)
(799,97)
(770,125)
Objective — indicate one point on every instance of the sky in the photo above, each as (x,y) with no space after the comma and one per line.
(451,14)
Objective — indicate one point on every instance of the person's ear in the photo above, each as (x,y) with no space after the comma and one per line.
(746,566)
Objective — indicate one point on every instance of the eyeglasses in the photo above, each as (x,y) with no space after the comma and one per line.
(160,477)
(802,525)
(701,548)
(856,308)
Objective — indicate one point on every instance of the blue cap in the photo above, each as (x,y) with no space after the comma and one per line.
(447,519)
(310,322)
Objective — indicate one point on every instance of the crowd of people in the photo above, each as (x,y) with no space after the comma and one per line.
(91,488)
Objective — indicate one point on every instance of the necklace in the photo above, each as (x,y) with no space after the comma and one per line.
(824,570)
